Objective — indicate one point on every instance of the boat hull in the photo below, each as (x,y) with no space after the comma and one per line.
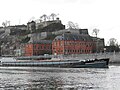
(97,63)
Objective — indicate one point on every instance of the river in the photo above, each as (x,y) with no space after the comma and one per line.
(42,78)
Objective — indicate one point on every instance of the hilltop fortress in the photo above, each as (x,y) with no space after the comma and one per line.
(47,37)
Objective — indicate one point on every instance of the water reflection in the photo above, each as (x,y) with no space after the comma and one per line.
(46,83)
(37,78)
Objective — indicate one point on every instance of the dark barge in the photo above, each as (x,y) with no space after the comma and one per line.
(91,63)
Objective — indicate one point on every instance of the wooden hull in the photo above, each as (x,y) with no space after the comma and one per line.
(97,63)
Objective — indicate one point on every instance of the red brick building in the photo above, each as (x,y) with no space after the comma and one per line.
(68,43)
(38,48)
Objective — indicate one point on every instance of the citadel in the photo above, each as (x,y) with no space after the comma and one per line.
(47,36)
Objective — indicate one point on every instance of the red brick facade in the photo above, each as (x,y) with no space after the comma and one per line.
(28,49)
(35,49)
(72,44)
(64,44)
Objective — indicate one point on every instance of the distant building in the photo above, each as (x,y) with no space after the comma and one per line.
(21,27)
(100,44)
(18,52)
(31,26)
(37,48)
(73,31)
(112,49)
(50,26)
(46,23)
(68,43)
(83,31)
(39,36)
(15,30)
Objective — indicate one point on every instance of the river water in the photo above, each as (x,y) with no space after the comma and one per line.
(42,78)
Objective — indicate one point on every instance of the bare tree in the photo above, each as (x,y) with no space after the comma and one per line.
(112,42)
(72,25)
(40,18)
(44,17)
(95,32)
(113,45)
(53,16)
(6,23)
(77,26)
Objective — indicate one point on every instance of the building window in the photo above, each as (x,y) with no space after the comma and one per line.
(61,43)
(44,47)
(82,51)
(33,46)
(47,47)
(55,43)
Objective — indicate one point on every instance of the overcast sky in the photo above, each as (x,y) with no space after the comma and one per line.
(101,14)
